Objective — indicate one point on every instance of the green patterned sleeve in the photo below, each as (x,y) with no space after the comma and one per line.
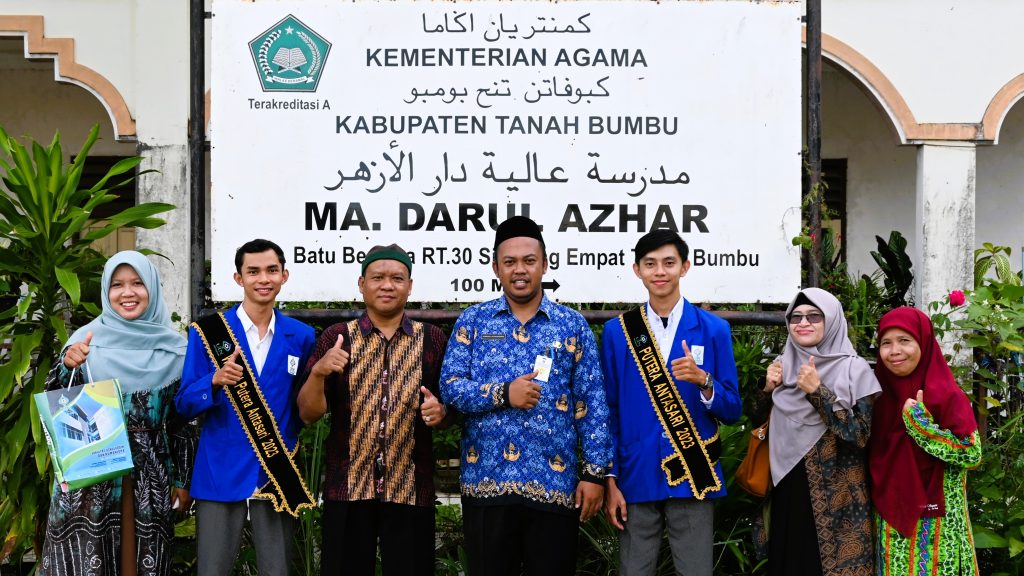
(939,442)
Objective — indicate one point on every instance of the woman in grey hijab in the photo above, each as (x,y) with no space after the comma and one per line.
(820,421)
(125,526)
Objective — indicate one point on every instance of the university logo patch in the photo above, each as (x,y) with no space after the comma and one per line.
(289,56)
(222,348)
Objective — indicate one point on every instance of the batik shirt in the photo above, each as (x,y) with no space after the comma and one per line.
(515,455)
(939,546)
(379,448)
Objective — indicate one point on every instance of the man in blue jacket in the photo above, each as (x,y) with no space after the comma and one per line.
(670,377)
(241,374)
(524,372)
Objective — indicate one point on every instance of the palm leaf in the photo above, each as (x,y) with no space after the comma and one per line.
(69,282)
(130,217)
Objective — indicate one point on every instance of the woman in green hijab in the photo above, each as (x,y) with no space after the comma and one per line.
(126,525)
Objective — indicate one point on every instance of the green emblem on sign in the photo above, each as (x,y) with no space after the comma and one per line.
(289,56)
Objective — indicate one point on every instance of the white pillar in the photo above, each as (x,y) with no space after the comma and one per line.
(169,185)
(944,217)
(161,73)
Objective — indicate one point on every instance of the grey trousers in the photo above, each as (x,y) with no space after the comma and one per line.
(691,527)
(219,534)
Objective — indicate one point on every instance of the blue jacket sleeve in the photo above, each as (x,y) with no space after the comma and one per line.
(591,426)
(196,394)
(610,358)
(458,388)
(726,407)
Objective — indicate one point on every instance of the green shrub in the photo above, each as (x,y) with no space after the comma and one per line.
(47,262)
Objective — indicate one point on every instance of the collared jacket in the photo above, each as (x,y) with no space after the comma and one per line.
(226,468)
(640,440)
(511,454)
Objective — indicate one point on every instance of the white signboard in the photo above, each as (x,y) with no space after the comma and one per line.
(337,126)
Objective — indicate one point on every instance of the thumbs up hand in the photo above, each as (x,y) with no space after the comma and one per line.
(77,353)
(431,409)
(231,372)
(773,379)
(807,378)
(910,403)
(686,368)
(333,361)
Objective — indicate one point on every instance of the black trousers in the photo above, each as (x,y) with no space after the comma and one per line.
(793,538)
(351,531)
(509,540)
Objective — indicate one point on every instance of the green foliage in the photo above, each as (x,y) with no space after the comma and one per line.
(308,537)
(45,260)
(451,553)
(863,305)
(446,442)
(864,300)
(991,322)
(754,348)
(183,562)
(990,256)
(894,264)
(830,254)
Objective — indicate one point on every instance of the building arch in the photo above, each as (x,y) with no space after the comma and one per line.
(907,129)
(66,69)
(995,113)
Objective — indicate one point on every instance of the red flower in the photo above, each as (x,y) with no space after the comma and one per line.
(956,298)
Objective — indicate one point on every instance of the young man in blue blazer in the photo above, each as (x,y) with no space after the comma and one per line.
(241,375)
(670,377)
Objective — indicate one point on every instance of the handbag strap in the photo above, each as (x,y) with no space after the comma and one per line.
(761,432)
(88,374)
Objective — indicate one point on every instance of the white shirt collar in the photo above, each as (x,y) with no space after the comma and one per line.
(663,334)
(673,317)
(249,326)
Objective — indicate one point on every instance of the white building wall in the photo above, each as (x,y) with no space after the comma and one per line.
(161,79)
(880,172)
(946,57)
(1000,188)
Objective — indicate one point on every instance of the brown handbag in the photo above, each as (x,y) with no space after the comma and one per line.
(754,474)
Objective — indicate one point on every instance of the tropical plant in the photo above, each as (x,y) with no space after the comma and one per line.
(308,537)
(183,561)
(447,441)
(990,320)
(865,298)
(990,256)
(451,552)
(863,304)
(754,347)
(47,260)
(894,263)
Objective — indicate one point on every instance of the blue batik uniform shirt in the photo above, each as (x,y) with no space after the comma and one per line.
(531,456)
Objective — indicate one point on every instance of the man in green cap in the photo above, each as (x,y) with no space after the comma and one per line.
(378,375)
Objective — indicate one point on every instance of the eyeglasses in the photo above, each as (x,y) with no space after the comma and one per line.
(812,318)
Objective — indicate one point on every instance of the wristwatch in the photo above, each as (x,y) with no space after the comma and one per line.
(708,381)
